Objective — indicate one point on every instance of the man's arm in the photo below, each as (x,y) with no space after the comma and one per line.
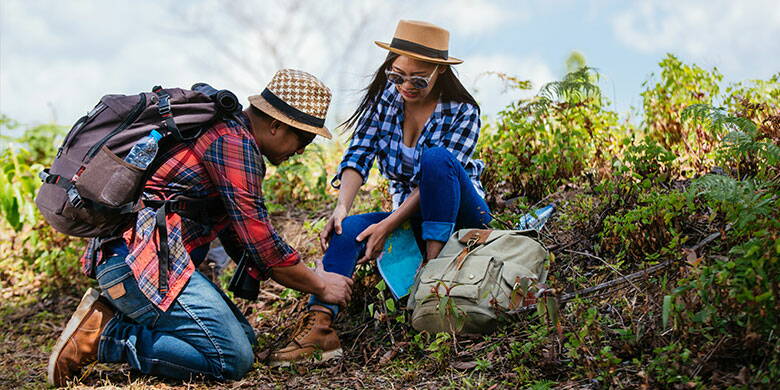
(236,169)
(327,286)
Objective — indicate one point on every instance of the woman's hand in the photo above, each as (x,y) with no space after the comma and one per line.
(376,234)
(334,224)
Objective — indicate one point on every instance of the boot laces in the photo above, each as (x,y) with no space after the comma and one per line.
(305,324)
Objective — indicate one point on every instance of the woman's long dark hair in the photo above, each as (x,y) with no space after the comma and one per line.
(447,86)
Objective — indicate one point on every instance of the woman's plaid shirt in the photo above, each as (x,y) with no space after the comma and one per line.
(379,135)
(224,163)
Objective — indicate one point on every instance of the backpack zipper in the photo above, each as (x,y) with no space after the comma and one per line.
(83,121)
(137,110)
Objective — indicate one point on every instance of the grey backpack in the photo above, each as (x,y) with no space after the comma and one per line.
(89,190)
(478,275)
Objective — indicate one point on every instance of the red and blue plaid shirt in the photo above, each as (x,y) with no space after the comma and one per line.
(223,163)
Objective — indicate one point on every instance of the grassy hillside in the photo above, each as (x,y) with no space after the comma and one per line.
(690,193)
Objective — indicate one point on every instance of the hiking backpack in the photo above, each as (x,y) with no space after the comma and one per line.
(478,275)
(90,191)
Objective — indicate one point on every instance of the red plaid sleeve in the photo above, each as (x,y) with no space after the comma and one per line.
(236,168)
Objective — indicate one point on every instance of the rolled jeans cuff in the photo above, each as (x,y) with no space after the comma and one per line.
(314,301)
(437,231)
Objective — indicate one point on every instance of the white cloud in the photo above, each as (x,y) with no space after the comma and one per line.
(474,17)
(742,36)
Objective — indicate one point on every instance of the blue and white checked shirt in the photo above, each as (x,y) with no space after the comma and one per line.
(379,134)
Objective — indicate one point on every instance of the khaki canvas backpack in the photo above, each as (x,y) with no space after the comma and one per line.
(478,274)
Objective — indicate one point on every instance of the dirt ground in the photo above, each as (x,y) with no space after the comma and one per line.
(31,323)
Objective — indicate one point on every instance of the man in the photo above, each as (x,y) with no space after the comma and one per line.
(188,327)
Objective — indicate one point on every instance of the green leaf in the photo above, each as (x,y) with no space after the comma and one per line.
(390,304)
(381,286)
(666,311)
(445,300)
(371,310)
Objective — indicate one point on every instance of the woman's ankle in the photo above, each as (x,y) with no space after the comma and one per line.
(321,308)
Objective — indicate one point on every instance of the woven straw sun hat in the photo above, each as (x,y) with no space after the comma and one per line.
(421,41)
(296,98)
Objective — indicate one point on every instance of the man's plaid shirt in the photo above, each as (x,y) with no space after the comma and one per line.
(225,163)
(379,134)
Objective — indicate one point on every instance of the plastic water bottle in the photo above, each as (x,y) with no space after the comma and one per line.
(143,152)
(537,219)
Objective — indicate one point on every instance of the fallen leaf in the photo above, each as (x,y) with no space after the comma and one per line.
(388,356)
(464,365)
(262,355)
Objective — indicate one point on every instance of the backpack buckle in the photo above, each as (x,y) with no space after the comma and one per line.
(164,103)
(74,198)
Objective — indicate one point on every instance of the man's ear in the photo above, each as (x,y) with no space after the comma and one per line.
(275,126)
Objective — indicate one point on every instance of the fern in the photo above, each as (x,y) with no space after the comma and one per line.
(742,202)
(717,120)
(575,87)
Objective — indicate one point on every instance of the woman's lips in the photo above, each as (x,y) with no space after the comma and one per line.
(407,94)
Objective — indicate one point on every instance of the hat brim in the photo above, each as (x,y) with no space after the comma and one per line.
(448,61)
(260,103)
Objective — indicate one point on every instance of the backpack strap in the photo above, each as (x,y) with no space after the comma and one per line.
(78,201)
(163,207)
(164,108)
(472,239)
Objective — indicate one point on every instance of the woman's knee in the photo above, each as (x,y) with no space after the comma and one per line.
(351,226)
(436,157)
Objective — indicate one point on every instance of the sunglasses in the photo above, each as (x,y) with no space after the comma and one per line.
(418,82)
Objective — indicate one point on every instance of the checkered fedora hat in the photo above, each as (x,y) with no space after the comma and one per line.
(297,99)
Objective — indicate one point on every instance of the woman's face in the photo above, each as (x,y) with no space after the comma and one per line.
(409,67)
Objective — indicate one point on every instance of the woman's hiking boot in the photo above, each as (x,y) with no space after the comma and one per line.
(78,343)
(314,338)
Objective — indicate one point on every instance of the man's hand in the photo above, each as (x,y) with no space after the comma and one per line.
(336,289)
(376,235)
(334,224)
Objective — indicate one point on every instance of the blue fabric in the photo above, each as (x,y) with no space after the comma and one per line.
(447,198)
(379,135)
(448,201)
(202,333)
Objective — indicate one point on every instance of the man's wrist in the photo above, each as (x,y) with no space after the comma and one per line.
(319,283)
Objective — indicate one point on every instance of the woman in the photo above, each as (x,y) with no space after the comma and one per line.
(421,125)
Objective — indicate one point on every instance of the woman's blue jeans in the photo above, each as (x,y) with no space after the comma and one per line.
(448,201)
(202,333)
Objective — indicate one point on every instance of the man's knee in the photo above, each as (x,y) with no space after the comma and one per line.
(239,359)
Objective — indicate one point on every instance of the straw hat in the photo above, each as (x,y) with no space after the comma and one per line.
(296,98)
(421,41)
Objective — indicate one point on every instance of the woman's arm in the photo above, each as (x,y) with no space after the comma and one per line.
(378,232)
(350,184)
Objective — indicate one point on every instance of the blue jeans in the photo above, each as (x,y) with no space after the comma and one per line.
(202,333)
(448,201)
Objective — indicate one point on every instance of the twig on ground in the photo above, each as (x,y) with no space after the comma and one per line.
(608,265)
(615,282)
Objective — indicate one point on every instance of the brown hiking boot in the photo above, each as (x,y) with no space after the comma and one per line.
(78,343)
(314,335)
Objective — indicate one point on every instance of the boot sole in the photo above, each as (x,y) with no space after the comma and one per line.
(89,299)
(334,354)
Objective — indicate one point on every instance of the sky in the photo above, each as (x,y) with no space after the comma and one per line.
(57,58)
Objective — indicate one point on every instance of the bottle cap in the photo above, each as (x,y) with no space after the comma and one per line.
(156,135)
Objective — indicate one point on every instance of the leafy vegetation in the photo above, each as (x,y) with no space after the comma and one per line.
(704,161)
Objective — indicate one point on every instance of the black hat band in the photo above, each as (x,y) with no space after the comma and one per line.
(291,111)
(402,44)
